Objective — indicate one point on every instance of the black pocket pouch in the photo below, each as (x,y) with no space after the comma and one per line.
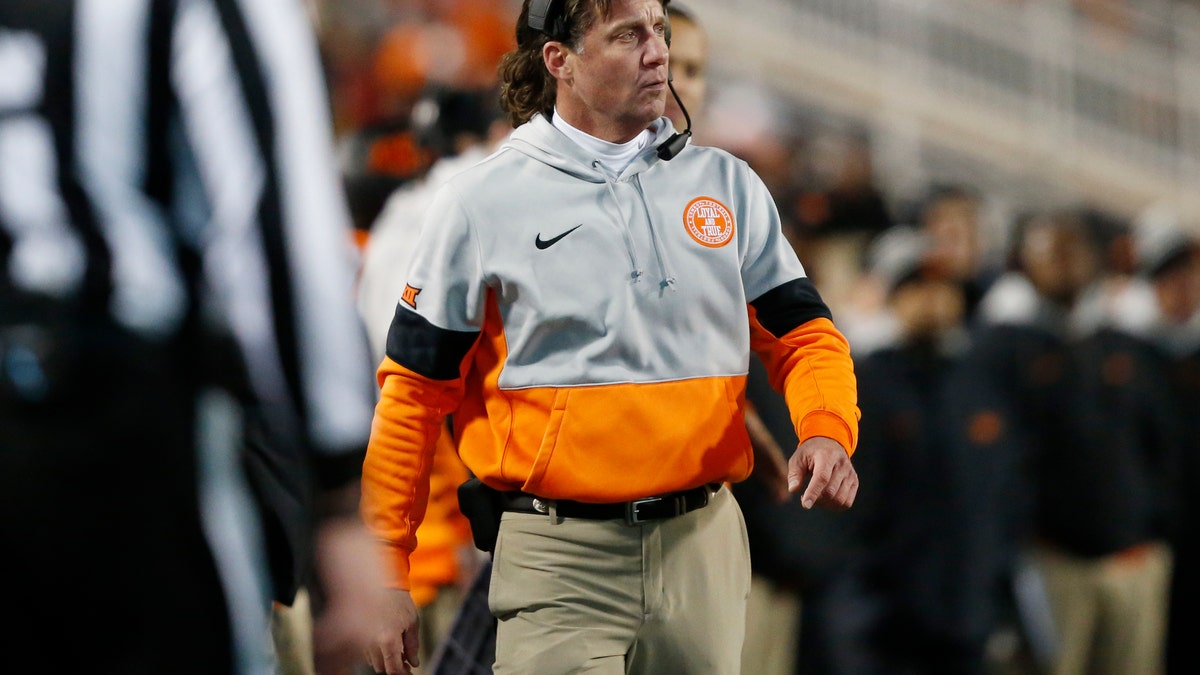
(483,507)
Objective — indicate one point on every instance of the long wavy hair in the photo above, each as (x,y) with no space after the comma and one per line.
(526,87)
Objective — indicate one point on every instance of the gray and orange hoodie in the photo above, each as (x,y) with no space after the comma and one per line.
(590,331)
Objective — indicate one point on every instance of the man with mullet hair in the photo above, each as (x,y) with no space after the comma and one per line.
(584,304)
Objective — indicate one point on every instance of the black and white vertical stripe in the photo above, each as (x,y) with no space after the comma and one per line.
(253,186)
(161,159)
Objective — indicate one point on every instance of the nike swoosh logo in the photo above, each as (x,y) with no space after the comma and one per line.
(547,243)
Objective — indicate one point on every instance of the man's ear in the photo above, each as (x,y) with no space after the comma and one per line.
(554,55)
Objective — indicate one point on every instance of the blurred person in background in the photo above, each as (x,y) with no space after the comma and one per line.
(375,161)
(951,215)
(1018,418)
(185,391)
(839,211)
(382,54)
(396,53)
(457,127)
(1106,552)
(491,329)
(1175,283)
(689,66)
(880,606)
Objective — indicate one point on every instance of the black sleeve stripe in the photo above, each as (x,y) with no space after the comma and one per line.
(424,348)
(790,305)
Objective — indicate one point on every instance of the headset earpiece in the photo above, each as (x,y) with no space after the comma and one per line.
(548,17)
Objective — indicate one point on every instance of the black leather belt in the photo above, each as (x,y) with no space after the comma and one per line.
(632,512)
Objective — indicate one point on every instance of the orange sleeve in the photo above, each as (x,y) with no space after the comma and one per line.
(409,419)
(812,368)
(445,531)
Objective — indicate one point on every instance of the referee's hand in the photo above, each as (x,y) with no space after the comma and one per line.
(347,604)
(825,464)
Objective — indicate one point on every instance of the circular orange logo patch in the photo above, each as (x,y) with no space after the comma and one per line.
(708,222)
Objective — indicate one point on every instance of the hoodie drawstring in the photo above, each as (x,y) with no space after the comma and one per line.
(668,279)
(636,275)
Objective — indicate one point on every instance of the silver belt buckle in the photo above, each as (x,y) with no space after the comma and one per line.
(632,516)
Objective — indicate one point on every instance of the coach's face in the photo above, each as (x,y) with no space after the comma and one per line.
(615,85)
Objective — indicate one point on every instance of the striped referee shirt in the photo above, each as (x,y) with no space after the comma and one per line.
(167,165)
(136,133)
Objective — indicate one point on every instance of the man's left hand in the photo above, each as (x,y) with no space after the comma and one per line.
(825,464)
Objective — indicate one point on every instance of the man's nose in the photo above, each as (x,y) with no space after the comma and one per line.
(656,51)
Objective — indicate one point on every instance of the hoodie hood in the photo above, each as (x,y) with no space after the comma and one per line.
(540,140)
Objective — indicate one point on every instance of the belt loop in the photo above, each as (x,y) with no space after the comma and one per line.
(554,519)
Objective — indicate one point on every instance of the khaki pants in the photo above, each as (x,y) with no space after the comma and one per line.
(436,619)
(1110,613)
(772,629)
(291,628)
(599,596)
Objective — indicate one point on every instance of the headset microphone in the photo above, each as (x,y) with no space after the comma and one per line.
(673,145)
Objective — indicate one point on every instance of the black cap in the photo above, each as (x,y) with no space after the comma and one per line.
(442,113)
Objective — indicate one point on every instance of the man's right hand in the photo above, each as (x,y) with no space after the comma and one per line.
(395,648)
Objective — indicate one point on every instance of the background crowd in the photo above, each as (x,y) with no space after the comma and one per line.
(1029,372)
